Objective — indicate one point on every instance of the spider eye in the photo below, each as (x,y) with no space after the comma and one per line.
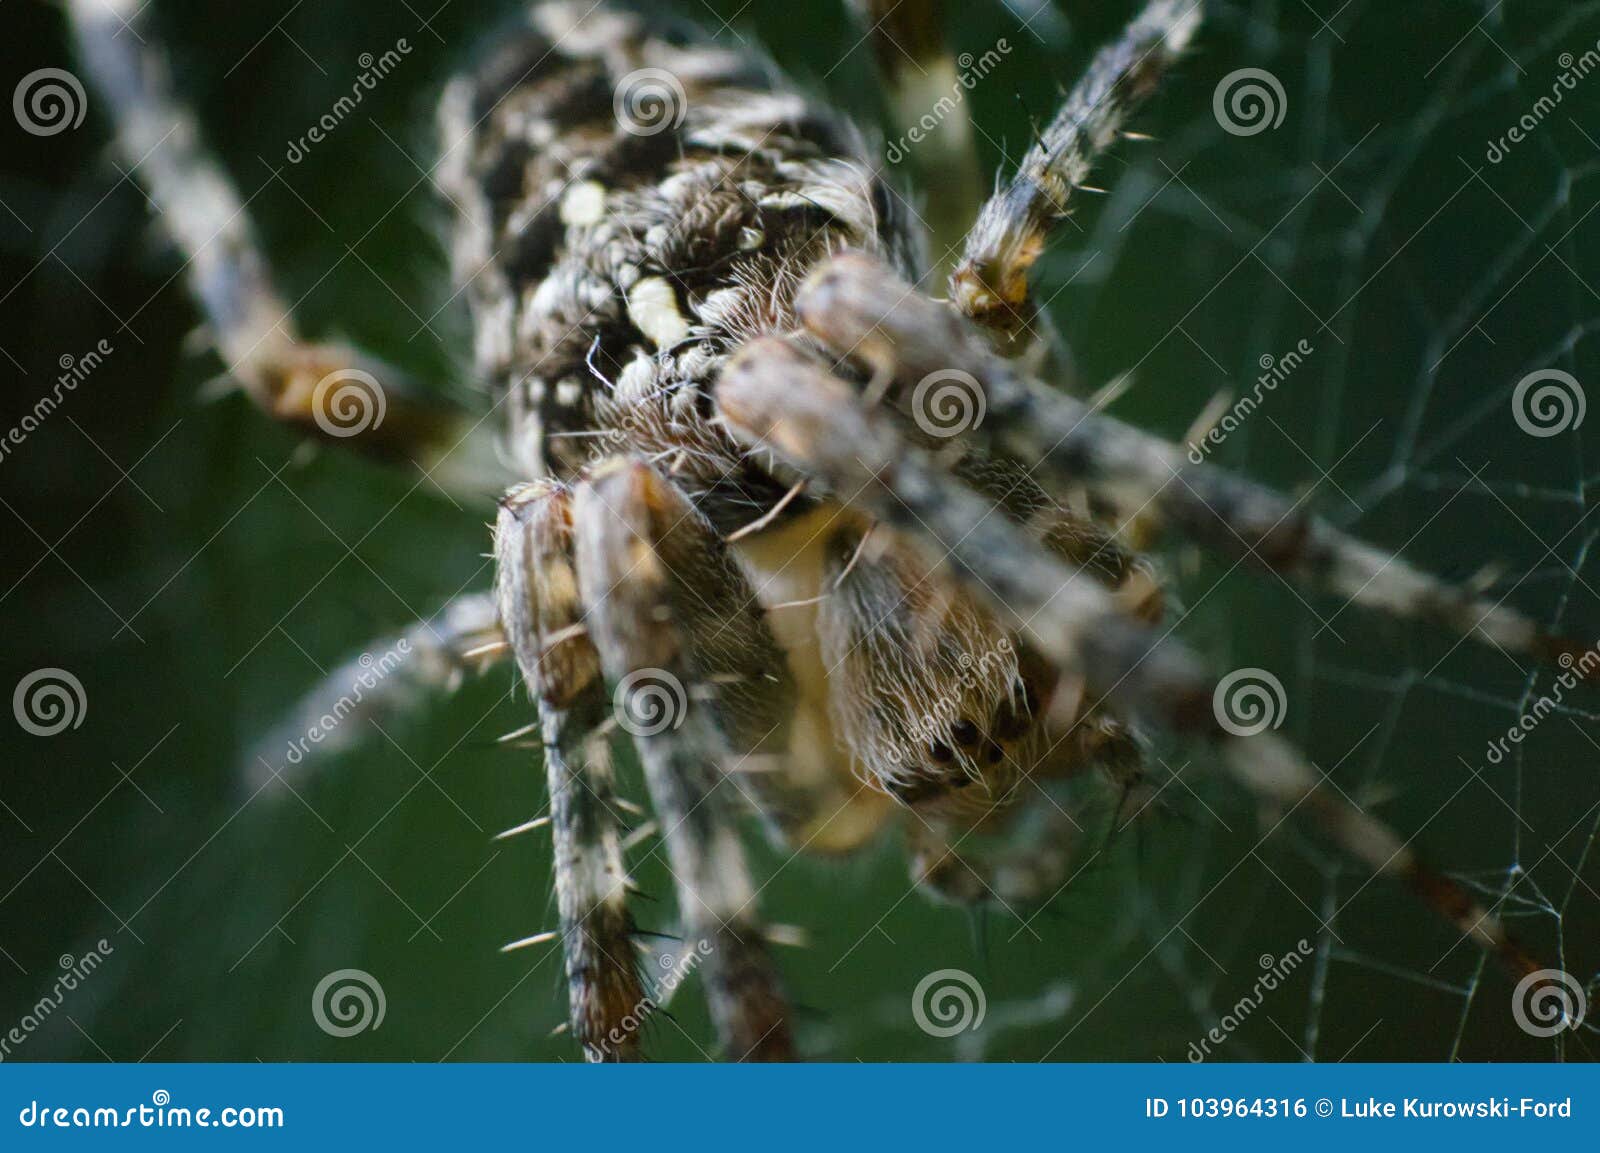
(1009,724)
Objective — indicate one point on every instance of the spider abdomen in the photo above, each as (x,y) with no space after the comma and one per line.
(635,205)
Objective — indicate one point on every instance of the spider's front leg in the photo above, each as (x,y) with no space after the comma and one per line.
(990,284)
(861,310)
(702,693)
(539,605)
(779,397)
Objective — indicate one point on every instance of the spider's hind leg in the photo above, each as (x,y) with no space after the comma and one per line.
(657,583)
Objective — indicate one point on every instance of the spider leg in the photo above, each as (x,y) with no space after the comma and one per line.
(538,598)
(857,308)
(391,678)
(327,389)
(923,82)
(1061,610)
(990,284)
(645,557)
(780,398)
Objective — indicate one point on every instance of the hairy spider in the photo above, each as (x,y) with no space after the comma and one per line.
(821,546)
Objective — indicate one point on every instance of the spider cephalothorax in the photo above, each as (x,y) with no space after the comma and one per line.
(758,531)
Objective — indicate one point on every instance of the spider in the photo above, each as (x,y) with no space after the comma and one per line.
(823,547)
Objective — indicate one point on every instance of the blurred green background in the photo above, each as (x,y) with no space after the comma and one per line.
(193,566)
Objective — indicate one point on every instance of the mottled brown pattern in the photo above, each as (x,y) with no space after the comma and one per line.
(700,320)
(729,206)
